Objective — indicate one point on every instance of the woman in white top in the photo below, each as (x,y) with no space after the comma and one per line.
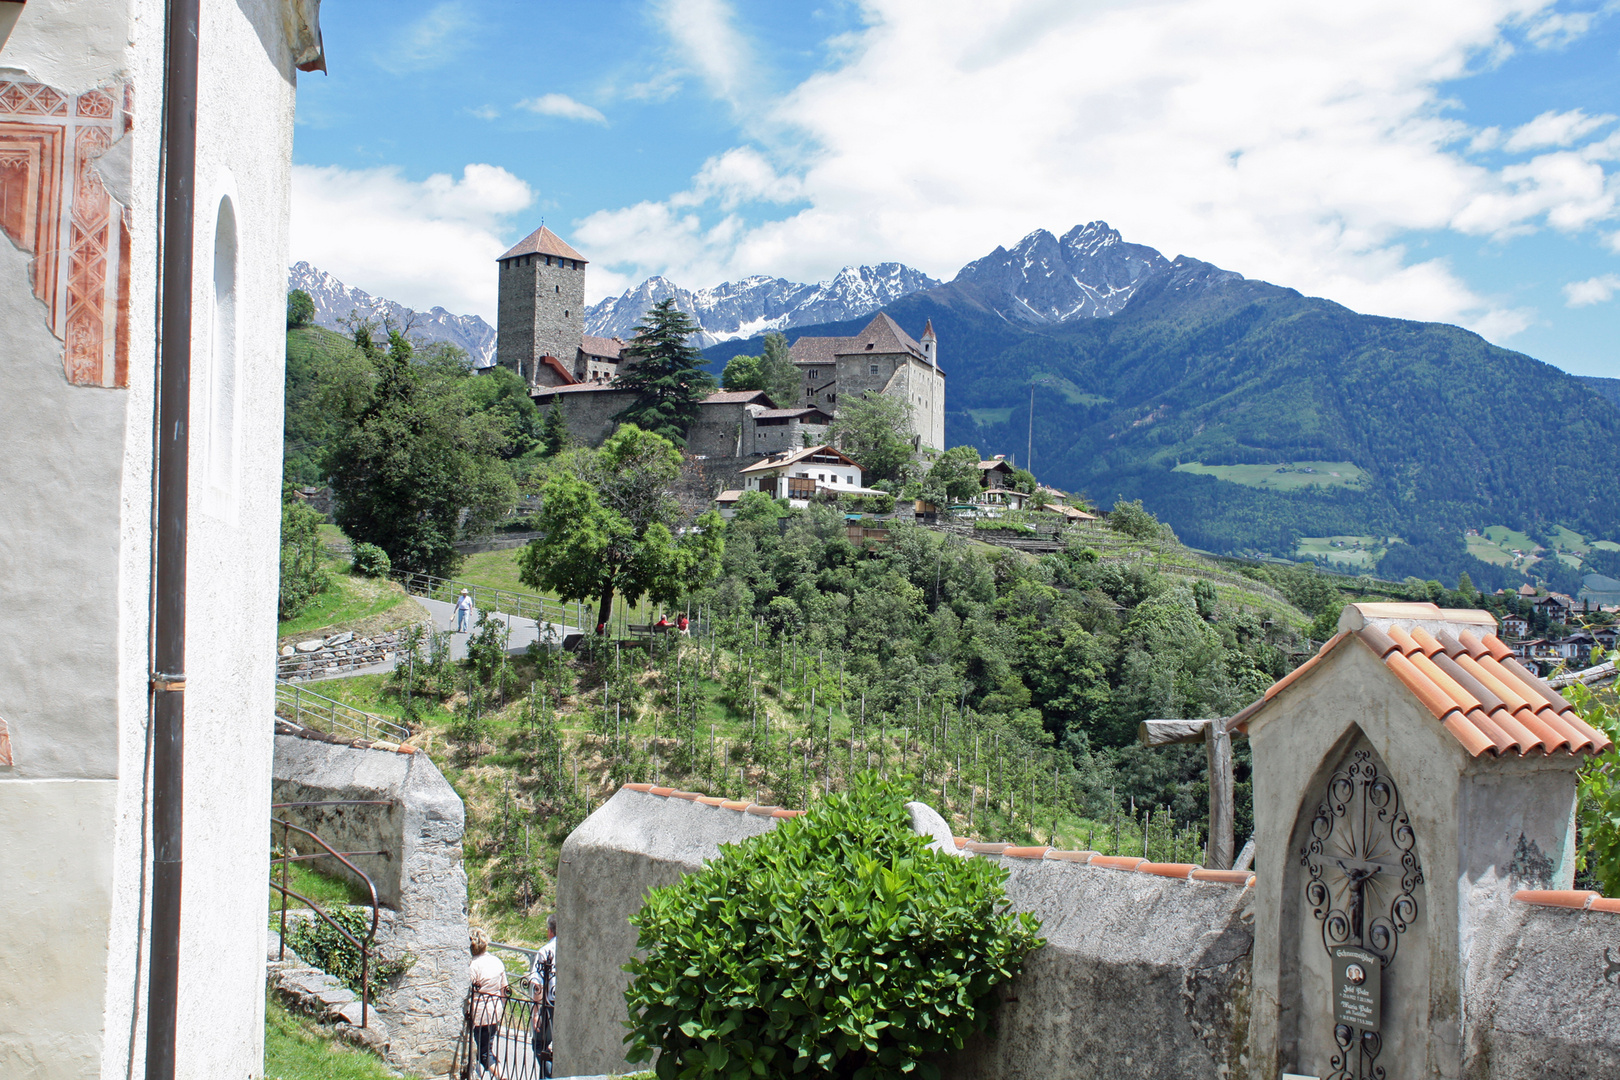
(488,977)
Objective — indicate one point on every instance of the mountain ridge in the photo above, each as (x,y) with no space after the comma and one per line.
(335,302)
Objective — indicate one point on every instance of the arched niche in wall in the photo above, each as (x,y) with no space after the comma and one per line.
(224,369)
(1354,988)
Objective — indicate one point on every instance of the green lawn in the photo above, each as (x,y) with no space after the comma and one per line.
(296,1048)
(1358,551)
(499,570)
(351,599)
(304,879)
(1292,476)
(1509,538)
(1486,550)
(988,417)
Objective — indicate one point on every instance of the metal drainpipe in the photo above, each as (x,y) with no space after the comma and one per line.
(169,629)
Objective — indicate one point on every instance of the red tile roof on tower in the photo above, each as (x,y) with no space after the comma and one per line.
(928,330)
(1468,681)
(543,242)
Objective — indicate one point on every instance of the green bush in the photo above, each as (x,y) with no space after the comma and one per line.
(318,943)
(1598,850)
(370,561)
(303,577)
(836,945)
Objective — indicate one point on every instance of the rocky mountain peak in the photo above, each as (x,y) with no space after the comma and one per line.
(335,302)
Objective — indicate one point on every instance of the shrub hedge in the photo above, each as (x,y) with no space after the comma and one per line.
(836,945)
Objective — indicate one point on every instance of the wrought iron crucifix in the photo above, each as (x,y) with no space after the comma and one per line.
(1362,872)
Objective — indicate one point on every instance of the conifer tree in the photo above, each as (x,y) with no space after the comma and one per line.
(554,435)
(666,374)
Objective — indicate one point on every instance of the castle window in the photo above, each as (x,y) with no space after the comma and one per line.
(556,288)
(874,369)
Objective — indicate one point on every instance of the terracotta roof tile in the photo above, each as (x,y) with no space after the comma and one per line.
(1071,856)
(1024,852)
(961,842)
(609,348)
(1471,684)
(542,242)
(778,812)
(689,796)
(985,849)
(1118,862)
(730,804)
(1225,877)
(1169,869)
(737,397)
(759,810)
(664,791)
(639,787)
(1605,903)
(710,800)
(1580,899)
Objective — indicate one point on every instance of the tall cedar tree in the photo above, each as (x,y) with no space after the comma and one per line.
(666,374)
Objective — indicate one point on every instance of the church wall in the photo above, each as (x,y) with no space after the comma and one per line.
(76,535)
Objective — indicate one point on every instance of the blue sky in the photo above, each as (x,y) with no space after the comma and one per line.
(1443,160)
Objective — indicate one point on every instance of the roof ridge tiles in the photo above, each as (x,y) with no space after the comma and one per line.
(1228,877)
(1118,862)
(1375,639)
(1179,871)
(1024,852)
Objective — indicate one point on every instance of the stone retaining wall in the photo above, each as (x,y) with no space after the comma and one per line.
(324,657)
(419,876)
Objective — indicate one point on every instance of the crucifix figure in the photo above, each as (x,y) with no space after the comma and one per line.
(1357,874)
(1217,740)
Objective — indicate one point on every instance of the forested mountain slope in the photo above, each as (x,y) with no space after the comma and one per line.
(1204,366)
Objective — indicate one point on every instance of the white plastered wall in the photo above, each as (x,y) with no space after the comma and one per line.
(75,551)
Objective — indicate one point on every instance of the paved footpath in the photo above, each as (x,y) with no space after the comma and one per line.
(520,633)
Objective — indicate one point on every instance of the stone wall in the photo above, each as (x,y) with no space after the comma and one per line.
(1143,974)
(320,658)
(541,312)
(590,413)
(419,876)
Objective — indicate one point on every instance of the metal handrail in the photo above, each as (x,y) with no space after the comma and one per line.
(487,598)
(320,712)
(513,1040)
(281,886)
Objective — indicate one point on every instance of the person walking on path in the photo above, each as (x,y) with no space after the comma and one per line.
(463,609)
(486,1001)
(542,982)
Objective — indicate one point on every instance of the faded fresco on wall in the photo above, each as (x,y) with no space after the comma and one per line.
(54,206)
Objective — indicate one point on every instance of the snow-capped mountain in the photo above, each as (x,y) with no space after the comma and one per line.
(334,301)
(759,304)
(1090,272)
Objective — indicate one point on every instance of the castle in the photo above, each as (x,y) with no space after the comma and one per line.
(541,335)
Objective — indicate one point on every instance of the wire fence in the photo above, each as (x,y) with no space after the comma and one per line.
(321,713)
(486,598)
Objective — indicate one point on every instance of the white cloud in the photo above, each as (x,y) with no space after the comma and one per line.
(1554,129)
(426,243)
(708,42)
(1300,143)
(430,41)
(1596,290)
(563,106)
(486,112)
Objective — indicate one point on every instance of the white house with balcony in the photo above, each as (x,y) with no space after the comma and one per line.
(801,475)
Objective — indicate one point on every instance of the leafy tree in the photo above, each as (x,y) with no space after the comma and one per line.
(665,373)
(501,392)
(554,437)
(415,467)
(1134,521)
(610,528)
(300,309)
(836,945)
(1599,790)
(956,471)
(302,575)
(1022,480)
(779,376)
(873,430)
(742,373)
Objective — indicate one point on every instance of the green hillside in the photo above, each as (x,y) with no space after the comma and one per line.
(1445,431)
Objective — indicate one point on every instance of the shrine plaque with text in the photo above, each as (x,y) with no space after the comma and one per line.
(1357,988)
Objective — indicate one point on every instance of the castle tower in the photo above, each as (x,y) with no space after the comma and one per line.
(930,344)
(542,304)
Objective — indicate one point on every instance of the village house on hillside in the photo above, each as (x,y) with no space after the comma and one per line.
(541,336)
(806,474)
